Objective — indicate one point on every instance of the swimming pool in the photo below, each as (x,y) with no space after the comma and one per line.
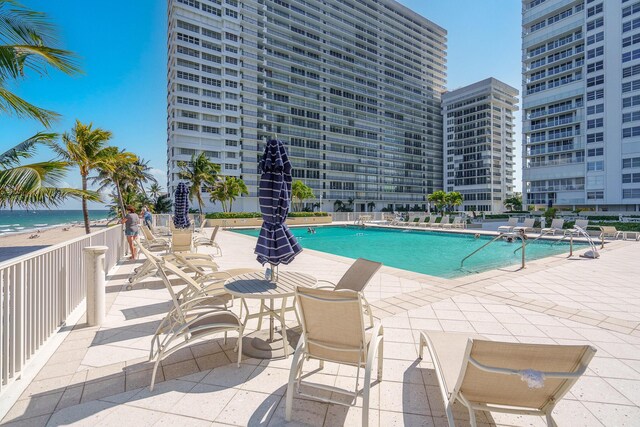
(436,254)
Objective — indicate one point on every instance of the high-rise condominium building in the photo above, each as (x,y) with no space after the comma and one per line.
(581,103)
(351,86)
(479,136)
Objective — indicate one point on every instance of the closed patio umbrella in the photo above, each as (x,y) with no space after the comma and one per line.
(276,244)
(181,207)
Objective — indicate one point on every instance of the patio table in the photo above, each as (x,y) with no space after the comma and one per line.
(255,286)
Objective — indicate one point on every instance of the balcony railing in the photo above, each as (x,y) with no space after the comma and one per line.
(39,291)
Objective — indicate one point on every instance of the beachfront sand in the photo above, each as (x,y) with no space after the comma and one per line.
(13,245)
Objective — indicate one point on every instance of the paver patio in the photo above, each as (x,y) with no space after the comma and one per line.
(100,376)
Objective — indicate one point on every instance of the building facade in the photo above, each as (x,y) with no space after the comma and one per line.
(478,124)
(581,103)
(352,87)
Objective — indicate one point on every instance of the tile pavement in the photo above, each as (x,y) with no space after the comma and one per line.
(100,376)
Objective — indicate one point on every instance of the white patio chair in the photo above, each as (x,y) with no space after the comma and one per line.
(333,331)
(517,378)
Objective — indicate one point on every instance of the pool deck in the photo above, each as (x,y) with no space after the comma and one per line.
(100,376)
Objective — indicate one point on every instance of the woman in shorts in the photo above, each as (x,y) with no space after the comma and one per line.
(131,223)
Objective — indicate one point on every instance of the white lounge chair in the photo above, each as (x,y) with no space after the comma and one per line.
(190,320)
(581,224)
(443,221)
(453,224)
(513,221)
(181,240)
(526,226)
(556,225)
(517,378)
(153,242)
(356,278)
(609,232)
(333,331)
(208,241)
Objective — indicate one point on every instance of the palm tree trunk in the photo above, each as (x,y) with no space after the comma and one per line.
(230,204)
(120,200)
(85,209)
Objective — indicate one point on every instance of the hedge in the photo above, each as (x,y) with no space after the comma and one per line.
(233,215)
(236,215)
(306,214)
(497,216)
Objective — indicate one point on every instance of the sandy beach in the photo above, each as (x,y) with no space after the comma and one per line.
(17,244)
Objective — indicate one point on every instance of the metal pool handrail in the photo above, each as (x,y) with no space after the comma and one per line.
(499,236)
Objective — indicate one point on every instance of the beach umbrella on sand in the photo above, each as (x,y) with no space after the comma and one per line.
(181,207)
(276,244)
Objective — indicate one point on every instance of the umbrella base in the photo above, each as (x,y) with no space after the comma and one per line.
(258,346)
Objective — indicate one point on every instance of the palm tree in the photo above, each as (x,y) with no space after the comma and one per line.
(35,183)
(163,204)
(438,198)
(27,42)
(199,171)
(300,192)
(155,190)
(85,147)
(228,189)
(453,199)
(118,170)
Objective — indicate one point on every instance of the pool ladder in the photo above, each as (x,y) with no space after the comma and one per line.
(499,236)
(579,231)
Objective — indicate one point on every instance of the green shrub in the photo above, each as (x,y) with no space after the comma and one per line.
(620,226)
(602,217)
(306,214)
(497,216)
(233,215)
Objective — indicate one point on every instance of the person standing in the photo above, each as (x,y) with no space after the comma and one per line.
(146,216)
(131,223)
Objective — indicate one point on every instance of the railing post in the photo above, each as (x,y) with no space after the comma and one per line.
(95,270)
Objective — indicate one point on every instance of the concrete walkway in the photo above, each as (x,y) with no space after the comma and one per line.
(100,376)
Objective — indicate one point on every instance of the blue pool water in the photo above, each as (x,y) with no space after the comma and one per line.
(436,254)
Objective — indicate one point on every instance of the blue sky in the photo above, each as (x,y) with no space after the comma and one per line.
(122,49)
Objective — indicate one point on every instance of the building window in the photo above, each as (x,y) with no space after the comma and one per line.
(595,137)
(631,193)
(595,109)
(631,132)
(632,162)
(595,166)
(595,123)
(596,23)
(595,94)
(629,178)
(595,195)
(593,152)
(596,80)
(187,126)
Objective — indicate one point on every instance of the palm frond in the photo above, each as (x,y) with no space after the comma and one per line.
(12,104)
(26,148)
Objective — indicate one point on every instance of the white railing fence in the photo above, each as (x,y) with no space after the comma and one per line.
(39,290)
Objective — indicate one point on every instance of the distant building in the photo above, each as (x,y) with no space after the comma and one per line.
(479,136)
(352,88)
(581,103)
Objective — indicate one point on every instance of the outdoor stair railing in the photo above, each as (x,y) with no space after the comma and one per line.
(39,290)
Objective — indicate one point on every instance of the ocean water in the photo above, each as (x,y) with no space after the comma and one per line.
(433,253)
(13,221)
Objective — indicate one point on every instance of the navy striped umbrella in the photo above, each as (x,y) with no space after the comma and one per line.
(276,244)
(181,207)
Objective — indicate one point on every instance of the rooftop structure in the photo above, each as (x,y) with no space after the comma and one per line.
(353,89)
(479,135)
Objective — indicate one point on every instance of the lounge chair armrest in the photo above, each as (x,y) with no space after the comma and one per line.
(327,285)
(216,276)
